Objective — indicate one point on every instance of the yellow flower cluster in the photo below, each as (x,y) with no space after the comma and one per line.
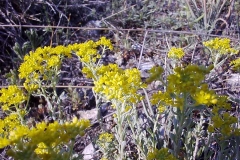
(6,125)
(177,53)
(236,63)
(88,54)
(40,64)
(204,96)
(88,51)
(117,84)
(155,100)
(105,42)
(45,62)
(186,81)
(223,123)
(106,145)
(222,120)
(42,149)
(221,45)
(11,97)
(106,137)
(161,154)
(44,138)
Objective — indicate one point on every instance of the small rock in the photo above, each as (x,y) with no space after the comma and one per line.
(88,152)
(146,65)
(234,82)
(89,114)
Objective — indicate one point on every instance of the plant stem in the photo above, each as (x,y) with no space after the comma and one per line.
(120,130)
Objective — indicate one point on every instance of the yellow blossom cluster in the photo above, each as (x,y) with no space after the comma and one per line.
(41,64)
(222,120)
(44,62)
(155,100)
(177,53)
(205,96)
(103,41)
(104,139)
(236,63)
(221,45)
(161,154)
(88,51)
(11,97)
(115,83)
(8,124)
(43,139)
(223,123)
(188,81)
(185,81)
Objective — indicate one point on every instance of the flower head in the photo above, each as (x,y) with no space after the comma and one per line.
(221,45)
(177,53)
(236,63)
(106,137)
(12,96)
(161,154)
(118,84)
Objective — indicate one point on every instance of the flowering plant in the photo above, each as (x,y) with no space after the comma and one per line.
(182,119)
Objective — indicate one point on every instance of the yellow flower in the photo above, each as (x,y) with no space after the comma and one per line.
(236,63)
(4,142)
(105,42)
(128,108)
(204,96)
(18,133)
(161,154)
(221,45)
(224,124)
(88,51)
(118,84)
(106,137)
(105,140)
(187,81)
(160,101)
(177,53)
(161,108)
(43,61)
(41,149)
(87,72)
(53,61)
(12,96)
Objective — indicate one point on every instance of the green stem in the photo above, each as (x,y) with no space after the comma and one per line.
(71,150)
(99,114)
(132,122)
(120,130)
(179,128)
(216,59)
(20,115)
